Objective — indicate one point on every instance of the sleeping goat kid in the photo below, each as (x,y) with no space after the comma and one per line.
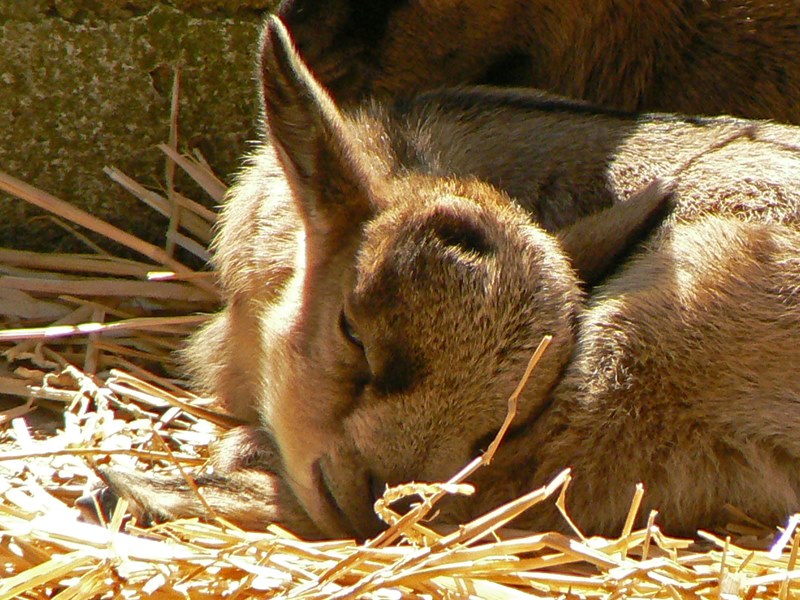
(388,274)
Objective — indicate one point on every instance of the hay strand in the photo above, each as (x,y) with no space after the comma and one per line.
(124,406)
(59,207)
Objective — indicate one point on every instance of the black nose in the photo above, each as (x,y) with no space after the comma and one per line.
(347,489)
(377,486)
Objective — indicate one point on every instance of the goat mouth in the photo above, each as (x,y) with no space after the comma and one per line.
(360,521)
(334,519)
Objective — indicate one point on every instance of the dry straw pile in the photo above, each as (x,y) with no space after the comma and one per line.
(88,343)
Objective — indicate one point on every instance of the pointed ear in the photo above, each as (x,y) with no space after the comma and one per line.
(323,163)
(598,243)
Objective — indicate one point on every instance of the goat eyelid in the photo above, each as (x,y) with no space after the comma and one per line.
(346,326)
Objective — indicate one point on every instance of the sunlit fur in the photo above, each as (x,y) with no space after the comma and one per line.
(448,230)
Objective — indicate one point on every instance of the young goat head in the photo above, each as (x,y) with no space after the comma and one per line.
(414,307)
(389,271)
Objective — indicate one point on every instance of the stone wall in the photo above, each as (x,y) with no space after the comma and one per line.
(87,83)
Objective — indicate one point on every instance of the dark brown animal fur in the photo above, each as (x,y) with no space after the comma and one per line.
(388,272)
(694,57)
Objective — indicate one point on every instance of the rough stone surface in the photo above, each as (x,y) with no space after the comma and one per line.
(87,83)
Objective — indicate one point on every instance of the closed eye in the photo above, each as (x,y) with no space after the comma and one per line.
(346,326)
(360,372)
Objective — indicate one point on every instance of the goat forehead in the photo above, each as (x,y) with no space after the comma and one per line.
(416,341)
(411,252)
(406,281)
(407,290)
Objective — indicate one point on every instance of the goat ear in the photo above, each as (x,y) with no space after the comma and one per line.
(598,243)
(324,165)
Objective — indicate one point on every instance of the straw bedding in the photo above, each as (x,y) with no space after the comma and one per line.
(89,341)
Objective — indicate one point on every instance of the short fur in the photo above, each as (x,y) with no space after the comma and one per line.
(690,56)
(389,272)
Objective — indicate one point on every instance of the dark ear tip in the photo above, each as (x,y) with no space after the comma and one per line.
(275,41)
(272,29)
(277,60)
(270,32)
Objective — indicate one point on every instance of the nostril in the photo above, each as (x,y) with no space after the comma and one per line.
(341,486)
(376,485)
(321,478)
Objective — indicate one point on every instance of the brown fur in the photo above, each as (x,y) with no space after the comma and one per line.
(388,274)
(694,57)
